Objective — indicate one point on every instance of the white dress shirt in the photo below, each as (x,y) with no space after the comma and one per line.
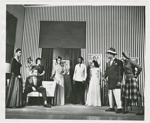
(80,73)
(34,80)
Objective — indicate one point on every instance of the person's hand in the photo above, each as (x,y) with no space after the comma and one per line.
(103,79)
(51,77)
(106,83)
(19,76)
(118,83)
(33,88)
(39,74)
(135,79)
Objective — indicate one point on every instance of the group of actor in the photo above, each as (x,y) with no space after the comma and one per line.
(15,96)
(122,92)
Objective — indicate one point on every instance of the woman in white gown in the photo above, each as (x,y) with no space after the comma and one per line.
(58,75)
(93,95)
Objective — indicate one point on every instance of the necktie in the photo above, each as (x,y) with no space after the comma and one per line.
(111,61)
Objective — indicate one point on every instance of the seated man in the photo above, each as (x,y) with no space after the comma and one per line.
(34,83)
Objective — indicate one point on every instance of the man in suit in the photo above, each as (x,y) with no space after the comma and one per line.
(114,72)
(34,83)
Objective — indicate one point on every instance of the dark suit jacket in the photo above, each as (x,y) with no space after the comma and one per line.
(114,73)
(29,81)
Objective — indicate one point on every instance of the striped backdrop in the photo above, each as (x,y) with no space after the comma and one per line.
(121,27)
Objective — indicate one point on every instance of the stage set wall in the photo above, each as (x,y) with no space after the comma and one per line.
(121,27)
(19,12)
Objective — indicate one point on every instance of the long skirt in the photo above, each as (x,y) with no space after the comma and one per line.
(14,94)
(59,98)
(130,90)
(94,95)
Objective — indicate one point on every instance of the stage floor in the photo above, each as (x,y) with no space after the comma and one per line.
(70,112)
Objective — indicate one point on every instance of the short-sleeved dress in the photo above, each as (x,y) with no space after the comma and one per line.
(94,95)
(15,90)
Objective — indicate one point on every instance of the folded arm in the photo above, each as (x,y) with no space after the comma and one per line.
(137,66)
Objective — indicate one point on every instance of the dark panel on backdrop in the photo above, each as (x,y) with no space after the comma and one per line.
(11,24)
(62,34)
(9,53)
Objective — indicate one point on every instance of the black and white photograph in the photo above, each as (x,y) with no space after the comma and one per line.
(76,62)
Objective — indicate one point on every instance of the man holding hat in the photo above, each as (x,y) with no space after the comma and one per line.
(114,72)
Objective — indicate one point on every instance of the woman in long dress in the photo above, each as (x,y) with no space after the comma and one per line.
(93,95)
(58,75)
(14,95)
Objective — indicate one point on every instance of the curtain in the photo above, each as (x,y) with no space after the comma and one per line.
(11,25)
(47,61)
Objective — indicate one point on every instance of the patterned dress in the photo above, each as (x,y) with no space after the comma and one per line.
(130,90)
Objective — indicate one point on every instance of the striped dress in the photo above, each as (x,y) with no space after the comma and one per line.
(14,94)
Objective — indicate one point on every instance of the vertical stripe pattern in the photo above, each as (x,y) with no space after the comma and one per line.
(121,27)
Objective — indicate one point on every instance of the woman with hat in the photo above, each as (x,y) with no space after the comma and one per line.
(130,90)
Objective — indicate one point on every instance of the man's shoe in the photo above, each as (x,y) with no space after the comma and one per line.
(47,106)
(124,112)
(24,104)
(140,113)
(119,111)
(110,109)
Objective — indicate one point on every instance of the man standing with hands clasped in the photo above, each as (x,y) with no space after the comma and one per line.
(79,77)
(114,72)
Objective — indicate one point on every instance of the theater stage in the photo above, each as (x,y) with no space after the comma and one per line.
(70,112)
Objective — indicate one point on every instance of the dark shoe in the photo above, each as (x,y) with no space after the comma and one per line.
(124,112)
(47,106)
(110,109)
(24,104)
(119,111)
(140,113)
